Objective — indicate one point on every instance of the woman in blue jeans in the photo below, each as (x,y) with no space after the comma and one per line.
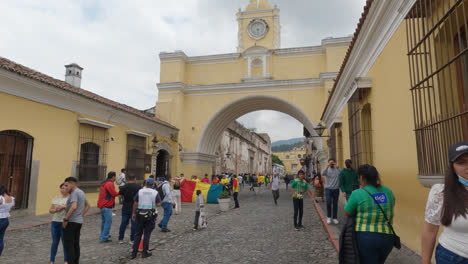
(374,237)
(57,208)
(447,205)
(6,203)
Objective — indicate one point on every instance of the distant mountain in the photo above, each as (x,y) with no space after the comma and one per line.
(291,141)
(286,145)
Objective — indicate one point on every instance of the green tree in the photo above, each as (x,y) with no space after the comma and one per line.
(276,159)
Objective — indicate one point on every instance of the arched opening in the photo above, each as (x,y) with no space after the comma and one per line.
(220,121)
(15,164)
(162,164)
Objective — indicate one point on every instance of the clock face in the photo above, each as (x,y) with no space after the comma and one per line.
(257,29)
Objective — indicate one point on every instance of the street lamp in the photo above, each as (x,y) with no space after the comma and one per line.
(320,129)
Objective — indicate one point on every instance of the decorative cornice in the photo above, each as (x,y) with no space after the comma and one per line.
(299,50)
(257,11)
(228,56)
(197,158)
(334,41)
(176,55)
(328,75)
(94,123)
(380,24)
(137,133)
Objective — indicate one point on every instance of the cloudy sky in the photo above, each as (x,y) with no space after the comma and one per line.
(117,42)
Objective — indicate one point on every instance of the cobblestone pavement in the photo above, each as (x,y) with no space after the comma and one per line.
(404,255)
(258,232)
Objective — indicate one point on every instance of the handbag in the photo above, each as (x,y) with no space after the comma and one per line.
(397,242)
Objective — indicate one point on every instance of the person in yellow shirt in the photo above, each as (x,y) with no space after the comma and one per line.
(195,178)
(224,181)
(235,190)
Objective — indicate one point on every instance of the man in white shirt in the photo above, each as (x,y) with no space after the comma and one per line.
(167,204)
(274,187)
(121,179)
(241,182)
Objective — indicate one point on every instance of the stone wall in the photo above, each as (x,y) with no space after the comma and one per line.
(242,151)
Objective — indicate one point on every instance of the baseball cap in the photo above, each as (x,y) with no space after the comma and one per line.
(150,181)
(456,150)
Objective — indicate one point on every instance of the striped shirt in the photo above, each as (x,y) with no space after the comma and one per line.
(369,217)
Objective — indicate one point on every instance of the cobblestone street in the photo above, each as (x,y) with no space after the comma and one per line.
(258,232)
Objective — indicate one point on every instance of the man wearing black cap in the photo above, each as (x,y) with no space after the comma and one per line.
(145,213)
(348,179)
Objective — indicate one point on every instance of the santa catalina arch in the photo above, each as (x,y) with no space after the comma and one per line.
(201,95)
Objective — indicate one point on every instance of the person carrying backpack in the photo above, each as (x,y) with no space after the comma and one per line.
(167,203)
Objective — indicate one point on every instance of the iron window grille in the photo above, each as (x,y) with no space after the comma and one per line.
(437,55)
(92,153)
(360,129)
(136,150)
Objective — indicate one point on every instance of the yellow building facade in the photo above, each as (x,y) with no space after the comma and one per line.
(403,119)
(52,129)
(292,159)
(202,95)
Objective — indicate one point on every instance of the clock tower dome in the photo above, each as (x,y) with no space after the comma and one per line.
(259,25)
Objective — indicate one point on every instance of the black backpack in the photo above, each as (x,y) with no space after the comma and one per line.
(161,191)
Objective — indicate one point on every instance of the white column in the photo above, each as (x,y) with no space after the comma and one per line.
(264,66)
(249,71)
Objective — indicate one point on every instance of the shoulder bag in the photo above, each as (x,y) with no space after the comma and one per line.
(397,242)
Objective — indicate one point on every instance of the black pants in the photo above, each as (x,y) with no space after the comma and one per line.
(298,208)
(71,242)
(146,227)
(236,201)
(275,195)
(197,216)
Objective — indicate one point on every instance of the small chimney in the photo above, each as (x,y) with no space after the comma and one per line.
(73,74)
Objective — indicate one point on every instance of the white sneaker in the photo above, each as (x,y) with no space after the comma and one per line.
(328,220)
(335,221)
(113,214)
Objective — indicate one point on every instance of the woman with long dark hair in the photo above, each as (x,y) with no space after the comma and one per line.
(374,236)
(447,205)
(6,203)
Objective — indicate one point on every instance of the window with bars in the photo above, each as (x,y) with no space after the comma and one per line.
(136,150)
(332,142)
(92,154)
(339,146)
(437,55)
(360,129)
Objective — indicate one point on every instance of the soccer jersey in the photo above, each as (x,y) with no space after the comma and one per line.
(369,217)
(299,187)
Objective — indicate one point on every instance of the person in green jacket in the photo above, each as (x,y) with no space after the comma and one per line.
(348,179)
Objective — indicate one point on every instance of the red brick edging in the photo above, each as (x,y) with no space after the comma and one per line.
(331,235)
(47,223)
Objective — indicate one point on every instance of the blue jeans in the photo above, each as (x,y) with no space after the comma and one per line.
(106,222)
(445,256)
(332,196)
(127,217)
(57,234)
(3,226)
(374,248)
(167,215)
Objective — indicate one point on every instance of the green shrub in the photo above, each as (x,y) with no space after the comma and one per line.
(224,194)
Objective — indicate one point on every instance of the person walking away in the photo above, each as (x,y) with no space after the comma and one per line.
(57,209)
(235,190)
(298,188)
(128,192)
(447,205)
(144,214)
(348,179)
(241,182)
(332,191)
(374,235)
(105,202)
(167,204)
(6,203)
(121,181)
(199,203)
(206,179)
(274,187)
(286,181)
(77,207)
(177,195)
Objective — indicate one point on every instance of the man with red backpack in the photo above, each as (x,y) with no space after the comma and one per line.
(106,203)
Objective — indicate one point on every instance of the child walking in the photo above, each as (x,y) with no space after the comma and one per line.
(199,209)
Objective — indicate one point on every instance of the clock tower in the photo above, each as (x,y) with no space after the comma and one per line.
(259,25)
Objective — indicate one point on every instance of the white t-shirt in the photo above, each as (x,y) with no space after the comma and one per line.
(6,207)
(121,179)
(275,183)
(240,179)
(455,236)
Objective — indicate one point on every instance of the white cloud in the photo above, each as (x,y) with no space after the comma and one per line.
(118,42)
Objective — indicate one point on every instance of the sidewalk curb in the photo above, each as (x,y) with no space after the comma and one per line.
(47,223)
(331,235)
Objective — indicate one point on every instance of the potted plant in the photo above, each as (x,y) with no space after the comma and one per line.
(255,186)
(224,201)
